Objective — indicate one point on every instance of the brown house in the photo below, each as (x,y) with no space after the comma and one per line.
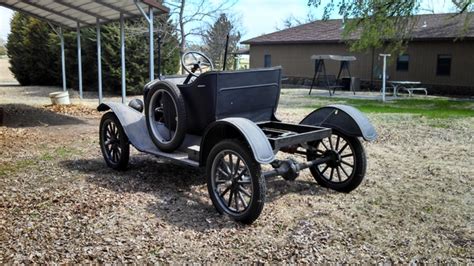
(435,55)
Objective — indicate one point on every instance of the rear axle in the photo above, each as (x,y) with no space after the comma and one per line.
(290,169)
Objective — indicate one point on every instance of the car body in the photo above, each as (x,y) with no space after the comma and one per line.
(225,122)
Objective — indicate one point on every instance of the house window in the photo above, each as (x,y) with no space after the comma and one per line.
(267,60)
(402,62)
(443,67)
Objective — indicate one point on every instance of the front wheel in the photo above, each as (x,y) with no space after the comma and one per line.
(114,142)
(234,181)
(346,170)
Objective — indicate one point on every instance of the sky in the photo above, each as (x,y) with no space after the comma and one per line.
(259,17)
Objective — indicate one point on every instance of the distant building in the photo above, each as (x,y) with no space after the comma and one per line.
(242,59)
(435,55)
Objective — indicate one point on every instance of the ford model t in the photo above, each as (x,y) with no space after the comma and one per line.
(224,121)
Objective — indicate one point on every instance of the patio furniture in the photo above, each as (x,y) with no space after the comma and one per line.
(355,84)
(329,82)
(408,86)
(319,66)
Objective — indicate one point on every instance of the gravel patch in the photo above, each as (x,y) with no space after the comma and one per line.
(60,203)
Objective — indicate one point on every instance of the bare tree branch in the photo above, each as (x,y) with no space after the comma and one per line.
(193,15)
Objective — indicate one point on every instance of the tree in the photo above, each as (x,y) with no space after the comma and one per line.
(215,38)
(191,15)
(377,21)
(31,55)
(166,32)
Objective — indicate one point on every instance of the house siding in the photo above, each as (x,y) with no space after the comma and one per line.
(295,60)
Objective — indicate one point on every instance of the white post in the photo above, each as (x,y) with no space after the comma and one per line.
(384,74)
(63,60)
(152,49)
(79,58)
(122,57)
(99,60)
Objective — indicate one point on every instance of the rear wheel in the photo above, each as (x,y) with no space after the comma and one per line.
(234,181)
(347,168)
(114,142)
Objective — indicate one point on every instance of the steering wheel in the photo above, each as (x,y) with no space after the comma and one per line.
(196,63)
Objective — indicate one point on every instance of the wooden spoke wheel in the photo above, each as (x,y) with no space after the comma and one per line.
(114,142)
(235,183)
(346,170)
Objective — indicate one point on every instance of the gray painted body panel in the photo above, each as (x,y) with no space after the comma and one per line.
(343,118)
(134,125)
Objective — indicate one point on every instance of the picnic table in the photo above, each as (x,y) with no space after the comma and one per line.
(409,86)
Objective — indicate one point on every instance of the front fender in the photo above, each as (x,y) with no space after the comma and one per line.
(237,127)
(343,118)
(133,123)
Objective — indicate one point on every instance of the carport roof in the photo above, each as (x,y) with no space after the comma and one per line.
(69,13)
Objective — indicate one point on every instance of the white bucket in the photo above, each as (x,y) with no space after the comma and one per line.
(60,97)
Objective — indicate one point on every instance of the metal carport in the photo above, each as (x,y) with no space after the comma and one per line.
(86,13)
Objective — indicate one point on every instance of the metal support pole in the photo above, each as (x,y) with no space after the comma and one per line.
(159,55)
(79,58)
(384,74)
(372,70)
(99,60)
(63,60)
(122,57)
(149,19)
(152,49)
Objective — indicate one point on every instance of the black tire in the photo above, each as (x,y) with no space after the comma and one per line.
(249,191)
(114,142)
(172,116)
(348,154)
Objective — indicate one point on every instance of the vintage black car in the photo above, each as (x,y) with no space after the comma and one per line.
(224,121)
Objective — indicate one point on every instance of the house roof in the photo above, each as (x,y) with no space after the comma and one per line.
(70,13)
(428,27)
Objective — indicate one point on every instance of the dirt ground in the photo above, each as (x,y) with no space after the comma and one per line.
(6,75)
(60,203)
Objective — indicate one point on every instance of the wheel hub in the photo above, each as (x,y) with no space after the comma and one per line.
(235,183)
(335,160)
(159,113)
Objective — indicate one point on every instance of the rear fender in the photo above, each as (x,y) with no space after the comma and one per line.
(241,128)
(343,118)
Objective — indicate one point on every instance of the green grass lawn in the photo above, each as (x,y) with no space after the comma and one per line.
(430,107)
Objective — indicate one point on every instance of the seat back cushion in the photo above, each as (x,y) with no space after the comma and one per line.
(252,94)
